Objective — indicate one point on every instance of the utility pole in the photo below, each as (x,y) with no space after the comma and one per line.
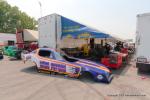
(40,7)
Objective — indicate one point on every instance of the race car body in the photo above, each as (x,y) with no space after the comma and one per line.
(50,60)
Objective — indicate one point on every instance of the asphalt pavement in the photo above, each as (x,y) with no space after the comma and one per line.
(19,81)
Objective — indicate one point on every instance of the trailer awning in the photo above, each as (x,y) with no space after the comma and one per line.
(72,29)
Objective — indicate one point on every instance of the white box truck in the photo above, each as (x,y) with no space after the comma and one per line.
(142,42)
(49,28)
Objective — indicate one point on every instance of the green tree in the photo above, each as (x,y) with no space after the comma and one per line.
(11,18)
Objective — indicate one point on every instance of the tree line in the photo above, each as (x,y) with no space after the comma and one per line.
(11,18)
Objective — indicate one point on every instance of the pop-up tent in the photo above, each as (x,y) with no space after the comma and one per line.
(74,29)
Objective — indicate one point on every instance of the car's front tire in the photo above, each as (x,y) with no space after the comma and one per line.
(86,75)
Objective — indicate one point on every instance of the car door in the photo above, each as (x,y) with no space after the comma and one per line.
(58,65)
(64,66)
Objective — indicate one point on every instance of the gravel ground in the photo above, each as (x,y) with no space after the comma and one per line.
(19,81)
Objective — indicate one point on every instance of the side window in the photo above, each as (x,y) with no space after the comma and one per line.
(45,53)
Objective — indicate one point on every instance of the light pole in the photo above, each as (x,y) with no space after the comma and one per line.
(40,4)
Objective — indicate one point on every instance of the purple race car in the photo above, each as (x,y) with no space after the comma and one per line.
(49,60)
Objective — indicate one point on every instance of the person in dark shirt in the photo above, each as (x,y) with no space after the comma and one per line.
(101,52)
(118,46)
(108,48)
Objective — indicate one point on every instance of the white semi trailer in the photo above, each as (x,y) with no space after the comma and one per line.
(49,28)
(142,42)
(53,27)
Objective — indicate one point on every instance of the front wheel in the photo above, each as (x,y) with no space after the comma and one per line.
(85,76)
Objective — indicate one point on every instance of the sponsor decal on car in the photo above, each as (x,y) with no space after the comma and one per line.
(44,65)
(58,67)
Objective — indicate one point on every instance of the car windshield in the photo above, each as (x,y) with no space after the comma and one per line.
(68,58)
(13,47)
(63,56)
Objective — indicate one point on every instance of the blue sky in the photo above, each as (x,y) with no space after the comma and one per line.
(113,16)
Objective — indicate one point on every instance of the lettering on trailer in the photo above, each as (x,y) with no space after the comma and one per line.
(70,28)
(58,67)
(44,64)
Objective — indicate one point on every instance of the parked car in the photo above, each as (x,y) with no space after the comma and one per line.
(12,51)
(49,60)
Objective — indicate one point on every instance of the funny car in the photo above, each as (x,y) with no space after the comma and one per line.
(50,60)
